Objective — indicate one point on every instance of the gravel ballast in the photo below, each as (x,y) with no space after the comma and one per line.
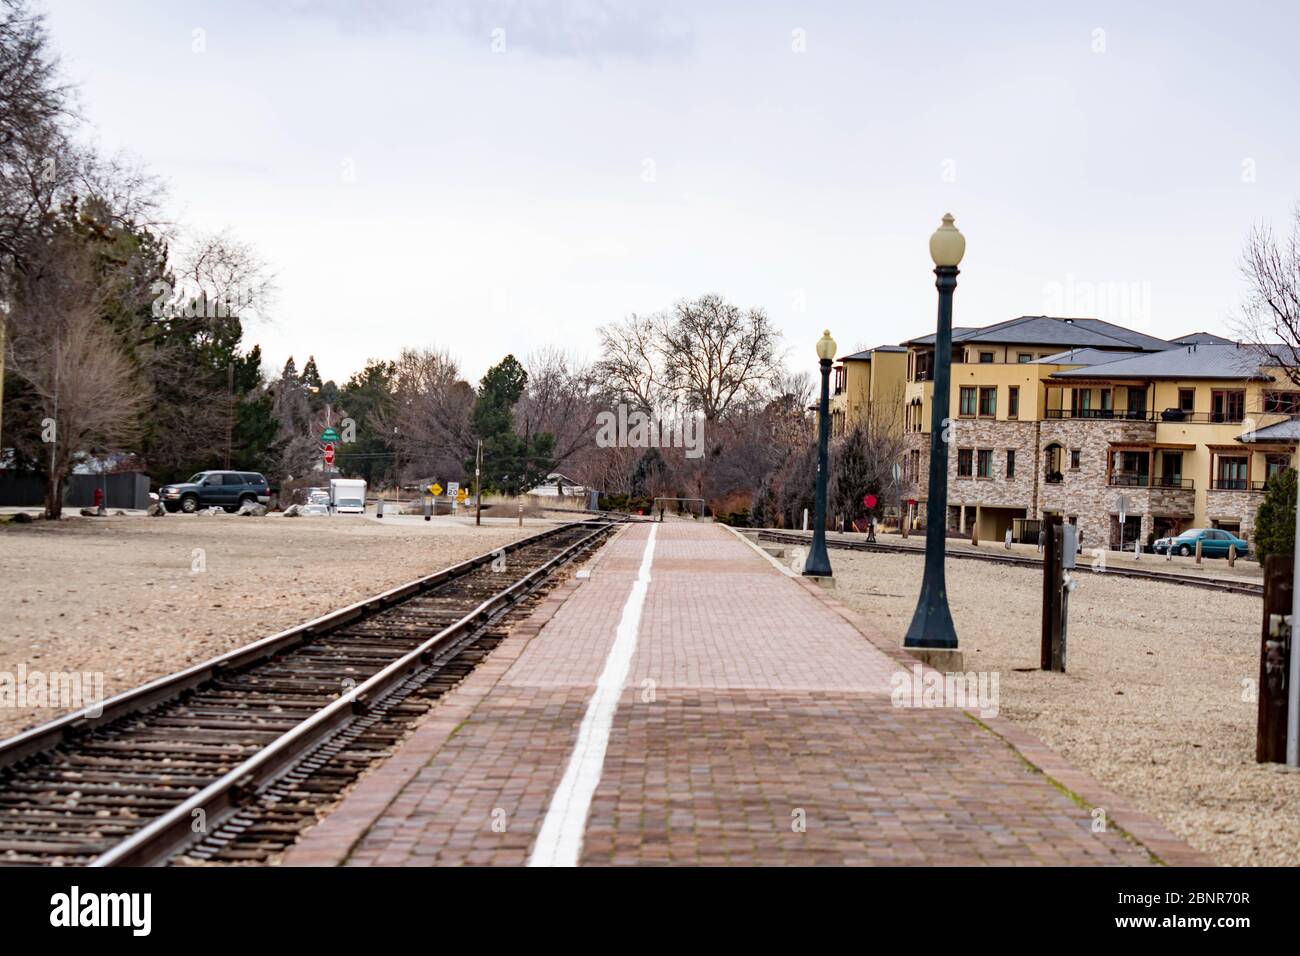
(1158,702)
(136,598)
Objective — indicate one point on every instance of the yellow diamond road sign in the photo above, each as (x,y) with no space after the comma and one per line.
(462,495)
(435,489)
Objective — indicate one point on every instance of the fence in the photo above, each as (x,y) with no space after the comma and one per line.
(126,489)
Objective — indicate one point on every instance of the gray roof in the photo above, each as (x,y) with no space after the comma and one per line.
(1084,357)
(865,354)
(958,332)
(1202,338)
(1052,330)
(1200,361)
(1288,430)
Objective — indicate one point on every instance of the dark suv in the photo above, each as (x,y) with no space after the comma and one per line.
(227,489)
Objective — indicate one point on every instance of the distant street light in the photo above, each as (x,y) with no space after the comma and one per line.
(932,623)
(819,562)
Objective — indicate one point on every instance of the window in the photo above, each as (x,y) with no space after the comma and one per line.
(1227,406)
(1011,463)
(1074,459)
(1282,403)
(1273,464)
(964,461)
(986,358)
(985,463)
(1187,399)
(232,479)
(989,402)
(1024,358)
(1137,403)
(966,401)
(916,465)
(1232,474)
(839,379)
(1052,473)
(924,366)
(1013,401)
(1081,403)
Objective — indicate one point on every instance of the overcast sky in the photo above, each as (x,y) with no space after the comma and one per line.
(492,177)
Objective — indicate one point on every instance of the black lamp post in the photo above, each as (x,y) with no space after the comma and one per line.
(932,623)
(819,562)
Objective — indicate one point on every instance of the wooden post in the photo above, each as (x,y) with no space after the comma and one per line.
(1198,550)
(1052,546)
(975,532)
(1232,555)
(906,512)
(1270,735)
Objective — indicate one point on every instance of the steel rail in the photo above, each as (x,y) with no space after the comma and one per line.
(1213,584)
(170,833)
(51,734)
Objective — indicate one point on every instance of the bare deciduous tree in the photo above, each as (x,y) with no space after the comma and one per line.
(87,397)
(863,461)
(703,354)
(430,416)
(630,368)
(560,398)
(716,356)
(1271,313)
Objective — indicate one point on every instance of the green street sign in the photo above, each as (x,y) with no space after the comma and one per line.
(329,435)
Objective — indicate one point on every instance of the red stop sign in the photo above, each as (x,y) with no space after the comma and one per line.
(869,501)
(329,454)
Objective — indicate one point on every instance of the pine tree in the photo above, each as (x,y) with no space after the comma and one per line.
(511,463)
(310,375)
(1275,521)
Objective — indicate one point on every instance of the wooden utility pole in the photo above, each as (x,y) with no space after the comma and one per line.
(1052,647)
(1276,643)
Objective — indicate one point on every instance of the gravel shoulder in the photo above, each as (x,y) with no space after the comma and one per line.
(1158,701)
(135,598)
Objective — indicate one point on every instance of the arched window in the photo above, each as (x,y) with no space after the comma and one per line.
(1052,455)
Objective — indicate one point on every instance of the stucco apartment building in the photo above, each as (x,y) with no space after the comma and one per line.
(1074,417)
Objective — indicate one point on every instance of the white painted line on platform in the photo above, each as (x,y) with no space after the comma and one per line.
(560,842)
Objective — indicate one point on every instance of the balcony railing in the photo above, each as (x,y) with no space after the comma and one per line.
(1236,484)
(1132,415)
(1200,418)
(1103,414)
(1130,480)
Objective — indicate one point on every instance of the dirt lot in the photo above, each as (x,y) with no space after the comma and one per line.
(1157,703)
(135,598)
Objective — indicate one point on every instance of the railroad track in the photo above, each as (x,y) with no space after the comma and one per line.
(1169,577)
(228,761)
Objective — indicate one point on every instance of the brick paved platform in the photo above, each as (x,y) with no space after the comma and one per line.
(754,726)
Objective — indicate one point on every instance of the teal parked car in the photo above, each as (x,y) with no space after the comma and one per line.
(1214,543)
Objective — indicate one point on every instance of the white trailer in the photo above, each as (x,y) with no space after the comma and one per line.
(348,496)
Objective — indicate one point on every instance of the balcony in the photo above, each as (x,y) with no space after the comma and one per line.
(1102,414)
(1236,484)
(1121,479)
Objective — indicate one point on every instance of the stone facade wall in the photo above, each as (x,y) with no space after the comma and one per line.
(1241,506)
(1000,437)
(1082,492)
